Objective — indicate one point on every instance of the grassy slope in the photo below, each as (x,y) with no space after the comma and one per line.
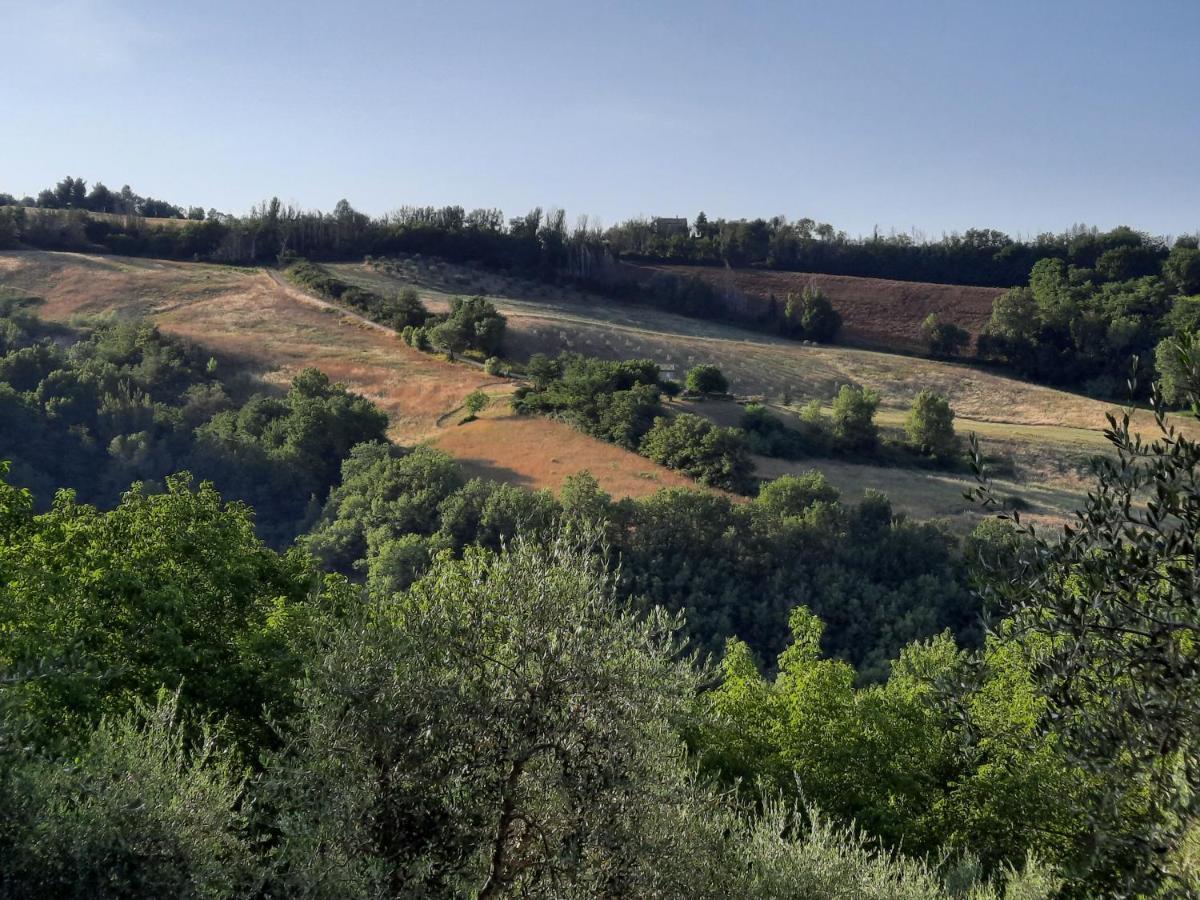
(1048,434)
(249,320)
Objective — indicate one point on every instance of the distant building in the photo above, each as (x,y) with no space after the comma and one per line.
(667,227)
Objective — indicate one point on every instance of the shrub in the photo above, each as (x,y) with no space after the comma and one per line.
(943,338)
(404,310)
(790,495)
(475,403)
(493,366)
(1178,374)
(930,425)
(768,436)
(707,379)
(712,455)
(615,401)
(811,316)
(140,812)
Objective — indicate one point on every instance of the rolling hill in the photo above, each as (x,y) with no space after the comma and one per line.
(248,318)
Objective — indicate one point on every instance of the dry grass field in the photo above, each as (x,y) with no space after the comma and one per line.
(876,312)
(244,316)
(1043,437)
(540,453)
(248,319)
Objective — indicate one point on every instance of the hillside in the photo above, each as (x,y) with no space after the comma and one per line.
(1043,437)
(876,312)
(249,320)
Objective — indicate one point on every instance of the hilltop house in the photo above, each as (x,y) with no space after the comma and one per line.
(668,227)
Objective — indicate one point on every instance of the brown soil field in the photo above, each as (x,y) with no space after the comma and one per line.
(876,312)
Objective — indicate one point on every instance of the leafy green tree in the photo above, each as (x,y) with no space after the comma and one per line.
(706,379)
(473,323)
(896,758)
(455,709)
(542,370)
(854,418)
(930,425)
(384,494)
(1182,268)
(171,591)
(1177,380)
(450,336)
(811,316)
(614,401)
(1110,618)
(145,810)
(475,403)
(791,495)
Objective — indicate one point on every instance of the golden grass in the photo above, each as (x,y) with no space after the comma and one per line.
(244,315)
(540,453)
(1046,435)
(276,329)
(924,494)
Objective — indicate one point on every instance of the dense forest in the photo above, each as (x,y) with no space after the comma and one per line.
(450,686)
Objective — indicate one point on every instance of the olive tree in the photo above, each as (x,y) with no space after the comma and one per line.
(503,727)
(1110,612)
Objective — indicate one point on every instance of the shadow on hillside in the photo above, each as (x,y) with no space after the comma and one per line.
(474,467)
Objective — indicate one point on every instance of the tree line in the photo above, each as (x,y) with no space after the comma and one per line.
(543,240)
(1081,325)
(73,193)
(1082,300)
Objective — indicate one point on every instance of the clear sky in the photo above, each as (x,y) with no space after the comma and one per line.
(1024,116)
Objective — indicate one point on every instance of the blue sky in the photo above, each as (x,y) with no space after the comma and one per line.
(1024,116)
